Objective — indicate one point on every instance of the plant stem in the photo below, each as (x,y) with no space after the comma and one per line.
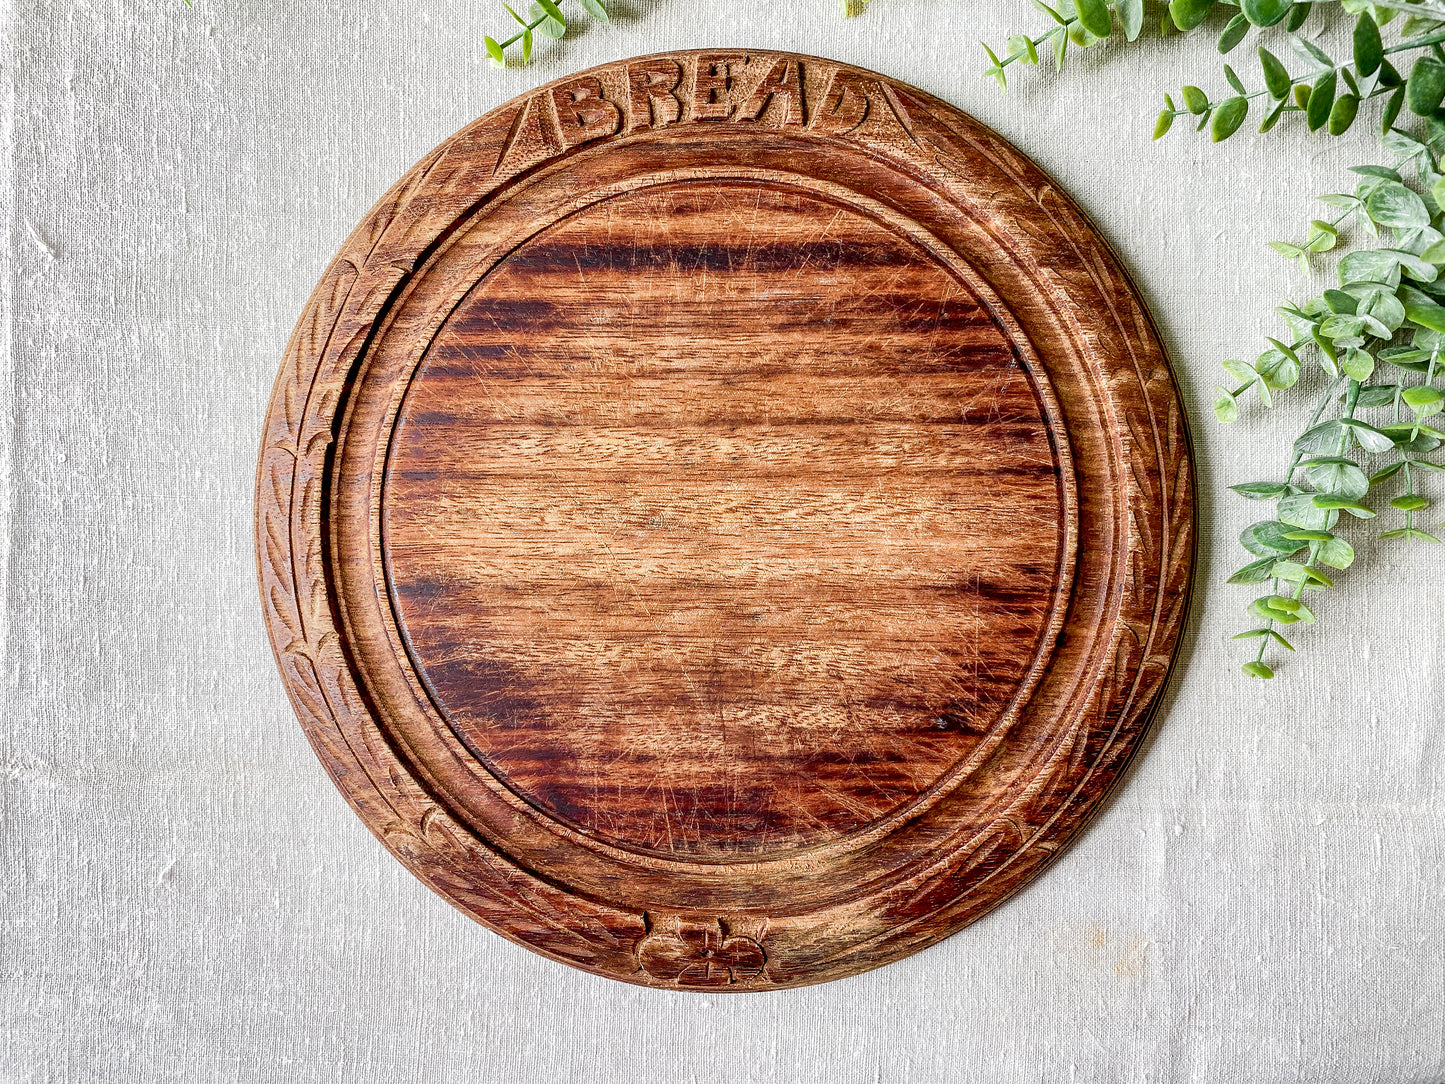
(530,26)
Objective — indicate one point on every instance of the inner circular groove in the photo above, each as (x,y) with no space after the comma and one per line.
(742,545)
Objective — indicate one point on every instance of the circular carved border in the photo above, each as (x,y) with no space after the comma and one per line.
(1080,331)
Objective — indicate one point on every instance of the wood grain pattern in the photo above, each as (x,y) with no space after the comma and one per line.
(725,520)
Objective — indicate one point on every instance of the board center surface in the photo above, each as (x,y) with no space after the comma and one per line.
(720,520)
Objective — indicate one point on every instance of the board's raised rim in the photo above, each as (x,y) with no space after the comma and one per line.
(349,763)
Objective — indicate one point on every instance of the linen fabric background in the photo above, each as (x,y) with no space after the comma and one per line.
(186,897)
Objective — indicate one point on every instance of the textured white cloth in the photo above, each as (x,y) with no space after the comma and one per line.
(185,897)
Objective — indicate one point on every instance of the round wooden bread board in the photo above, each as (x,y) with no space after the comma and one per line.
(725,520)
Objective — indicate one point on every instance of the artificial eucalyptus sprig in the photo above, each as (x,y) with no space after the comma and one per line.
(1379,340)
(1084,23)
(1370,203)
(544,16)
(1326,93)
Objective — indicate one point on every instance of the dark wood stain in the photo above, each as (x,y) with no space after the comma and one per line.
(725,520)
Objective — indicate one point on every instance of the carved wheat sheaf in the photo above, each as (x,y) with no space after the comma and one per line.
(814,134)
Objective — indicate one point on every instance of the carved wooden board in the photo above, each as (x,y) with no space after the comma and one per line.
(725,520)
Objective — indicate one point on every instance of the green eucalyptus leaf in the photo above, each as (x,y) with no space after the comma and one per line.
(1383,307)
(1383,266)
(1343,114)
(1414,266)
(1328,357)
(1241,371)
(1338,478)
(1415,438)
(1277,638)
(1369,50)
(1357,364)
(1163,123)
(1385,473)
(1299,510)
(1232,78)
(1424,400)
(527,45)
(1254,572)
(1276,78)
(1265,12)
(552,28)
(1392,204)
(1336,552)
(1322,235)
(1227,118)
(1131,17)
(1278,370)
(1369,438)
(1367,265)
(1426,314)
(1226,409)
(1267,539)
(1392,109)
(1322,100)
(1410,502)
(995,68)
(1187,14)
(1344,504)
(1425,87)
(1340,302)
(1384,172)
(1323,438)
(1406,357)
(1052,13)
(1254,668)
(1297,16)
(1310,53)
(1401,144)
(1275,607)
(1195,100)
(596,9)
(1411,533)
(1261,491)
(494,50)
(1410,294)
(1376,395)
(1401,431)
(1344,331)
(1094,17)
(1233,34)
